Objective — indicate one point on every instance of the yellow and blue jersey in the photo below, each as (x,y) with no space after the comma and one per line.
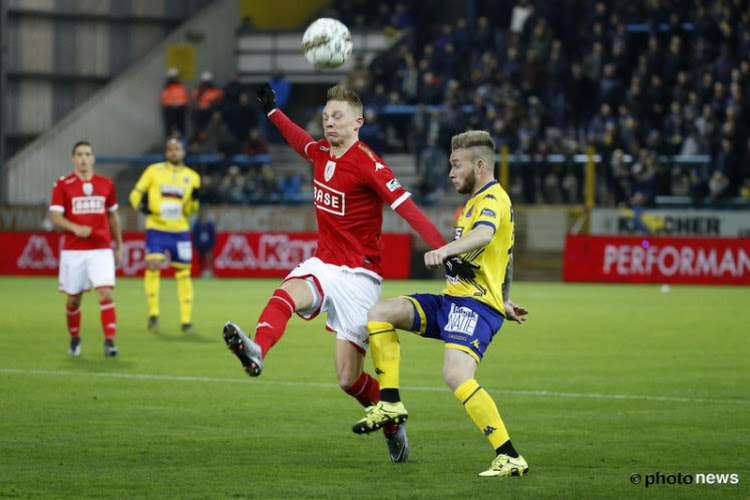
(171,196)
(489,206)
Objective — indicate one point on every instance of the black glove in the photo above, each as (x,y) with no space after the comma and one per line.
(266,97)
(456,267)
(143,207)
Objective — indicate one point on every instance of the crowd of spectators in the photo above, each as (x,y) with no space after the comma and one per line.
(640,80)
(659,88)
(224,121)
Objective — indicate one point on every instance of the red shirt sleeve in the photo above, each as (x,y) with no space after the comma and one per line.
(399,199)
(112,198)
(58,197)
(295,135)
(381,178)
(411,213)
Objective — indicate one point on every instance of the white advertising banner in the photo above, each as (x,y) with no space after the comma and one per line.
(703,223)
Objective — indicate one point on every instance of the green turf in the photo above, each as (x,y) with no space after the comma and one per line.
(602,382)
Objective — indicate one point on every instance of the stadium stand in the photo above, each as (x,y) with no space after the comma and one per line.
(658,89)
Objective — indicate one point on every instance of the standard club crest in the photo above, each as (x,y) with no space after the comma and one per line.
(330,169)
(88,188)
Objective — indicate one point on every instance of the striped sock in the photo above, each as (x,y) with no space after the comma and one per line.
(108,318)
(73,317)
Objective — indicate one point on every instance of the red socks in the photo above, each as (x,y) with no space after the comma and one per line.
(366,390)
(106,311)
(73,315)
(108,317)
(273,320)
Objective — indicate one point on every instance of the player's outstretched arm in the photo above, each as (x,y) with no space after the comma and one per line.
(295,135)
(477,238)
(410,212)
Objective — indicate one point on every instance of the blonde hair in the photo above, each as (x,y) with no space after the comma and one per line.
(341,93)
(479,143)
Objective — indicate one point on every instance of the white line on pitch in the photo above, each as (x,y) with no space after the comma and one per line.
(187,378)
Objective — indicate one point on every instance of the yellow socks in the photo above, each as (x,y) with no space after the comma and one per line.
(482,410)
(151,283)
(184,294)
(386,353)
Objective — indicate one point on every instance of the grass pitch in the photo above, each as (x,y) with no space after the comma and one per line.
(602,382)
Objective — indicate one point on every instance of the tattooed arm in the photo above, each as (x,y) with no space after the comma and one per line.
(513,312)
(508,279)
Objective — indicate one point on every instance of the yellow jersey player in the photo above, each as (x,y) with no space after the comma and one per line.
(469,312)
(168,193)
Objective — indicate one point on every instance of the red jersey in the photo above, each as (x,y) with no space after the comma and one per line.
(348,193)
(87,203)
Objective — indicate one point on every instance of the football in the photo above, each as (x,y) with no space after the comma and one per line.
(327,43)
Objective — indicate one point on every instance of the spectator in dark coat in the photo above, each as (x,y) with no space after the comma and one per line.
(204,241)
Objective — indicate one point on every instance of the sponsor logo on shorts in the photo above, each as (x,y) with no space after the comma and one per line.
(461,320)
(455,337)
(88,205)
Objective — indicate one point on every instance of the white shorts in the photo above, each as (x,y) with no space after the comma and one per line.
(344,294)
(79,269)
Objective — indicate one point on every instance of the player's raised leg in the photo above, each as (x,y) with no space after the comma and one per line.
(386,356)
(282,304)
(458,371)
(271,325)
(247,351)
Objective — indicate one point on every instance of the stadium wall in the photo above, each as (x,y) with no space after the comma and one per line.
(540,231)
(668,246)
(237,254)
(124,117)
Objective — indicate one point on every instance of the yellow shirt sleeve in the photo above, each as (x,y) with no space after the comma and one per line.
(141,187)
(489,211)
(191,205)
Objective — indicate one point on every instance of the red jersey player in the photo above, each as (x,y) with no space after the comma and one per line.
(350,186)
(84,205)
